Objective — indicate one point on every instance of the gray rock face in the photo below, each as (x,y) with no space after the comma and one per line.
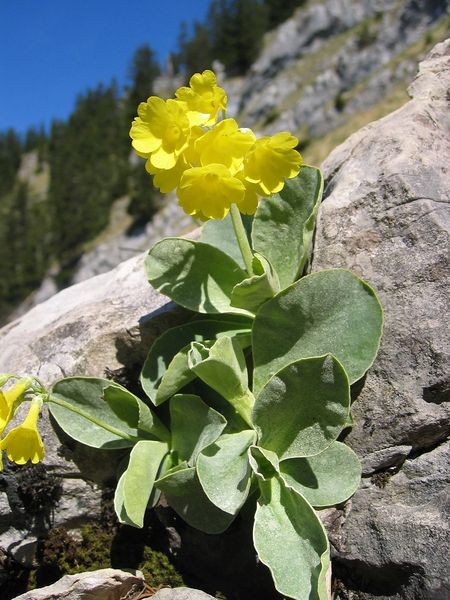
(386,217)
(105,584)
(331,60)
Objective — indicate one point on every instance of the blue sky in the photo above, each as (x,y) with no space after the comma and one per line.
(51,50)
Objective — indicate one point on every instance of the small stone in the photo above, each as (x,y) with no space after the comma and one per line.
(382,459)
(105,584)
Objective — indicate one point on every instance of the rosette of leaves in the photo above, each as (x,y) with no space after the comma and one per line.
(248,398)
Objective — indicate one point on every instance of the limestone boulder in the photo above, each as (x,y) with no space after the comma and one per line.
(386,216)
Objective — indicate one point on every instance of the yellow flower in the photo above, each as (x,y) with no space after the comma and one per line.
(225,144)
(10,400)
(160,132)
(209,191)
(23,443)
(249,202)
(204,99)
(168,179)
(271,161)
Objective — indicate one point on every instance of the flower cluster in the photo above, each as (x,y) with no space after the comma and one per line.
(211,163)
(22,443)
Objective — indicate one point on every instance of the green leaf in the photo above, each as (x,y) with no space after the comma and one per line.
(224,470)
(325,479)
(284,224)
(139,478)
(254,291)
(264,463)
(185,495)
(165,370)
(116,424)
(291,541)
(195,275)
(119,503)
(220,233)
(303,408)
(119,397)
(194,426)
(327,312)
(223,368)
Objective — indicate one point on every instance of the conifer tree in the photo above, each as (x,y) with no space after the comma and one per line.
(280,10)
(10,157)
(143,70)
(88,162)
(195,52)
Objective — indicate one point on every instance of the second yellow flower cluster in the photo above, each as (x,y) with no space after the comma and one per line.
(22,443)
(212,164)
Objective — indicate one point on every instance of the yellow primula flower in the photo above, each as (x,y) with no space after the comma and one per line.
(10,400)
(168,179)
(191,154)
(249,202)
(23,443)
(225,144)
(209,191)
(271,161)
(160,132)
(203,100)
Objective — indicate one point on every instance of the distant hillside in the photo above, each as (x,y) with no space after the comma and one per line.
(336,65)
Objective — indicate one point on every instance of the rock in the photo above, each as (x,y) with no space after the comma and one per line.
(331,60)
(105,584)
(395,541)
(382,459)
(181,593)
(385,216)
(85,329)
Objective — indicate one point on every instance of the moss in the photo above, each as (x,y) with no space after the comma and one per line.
(38,490)
(157,569)
(97,548)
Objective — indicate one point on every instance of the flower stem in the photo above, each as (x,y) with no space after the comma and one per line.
(86,415)
(241,236)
